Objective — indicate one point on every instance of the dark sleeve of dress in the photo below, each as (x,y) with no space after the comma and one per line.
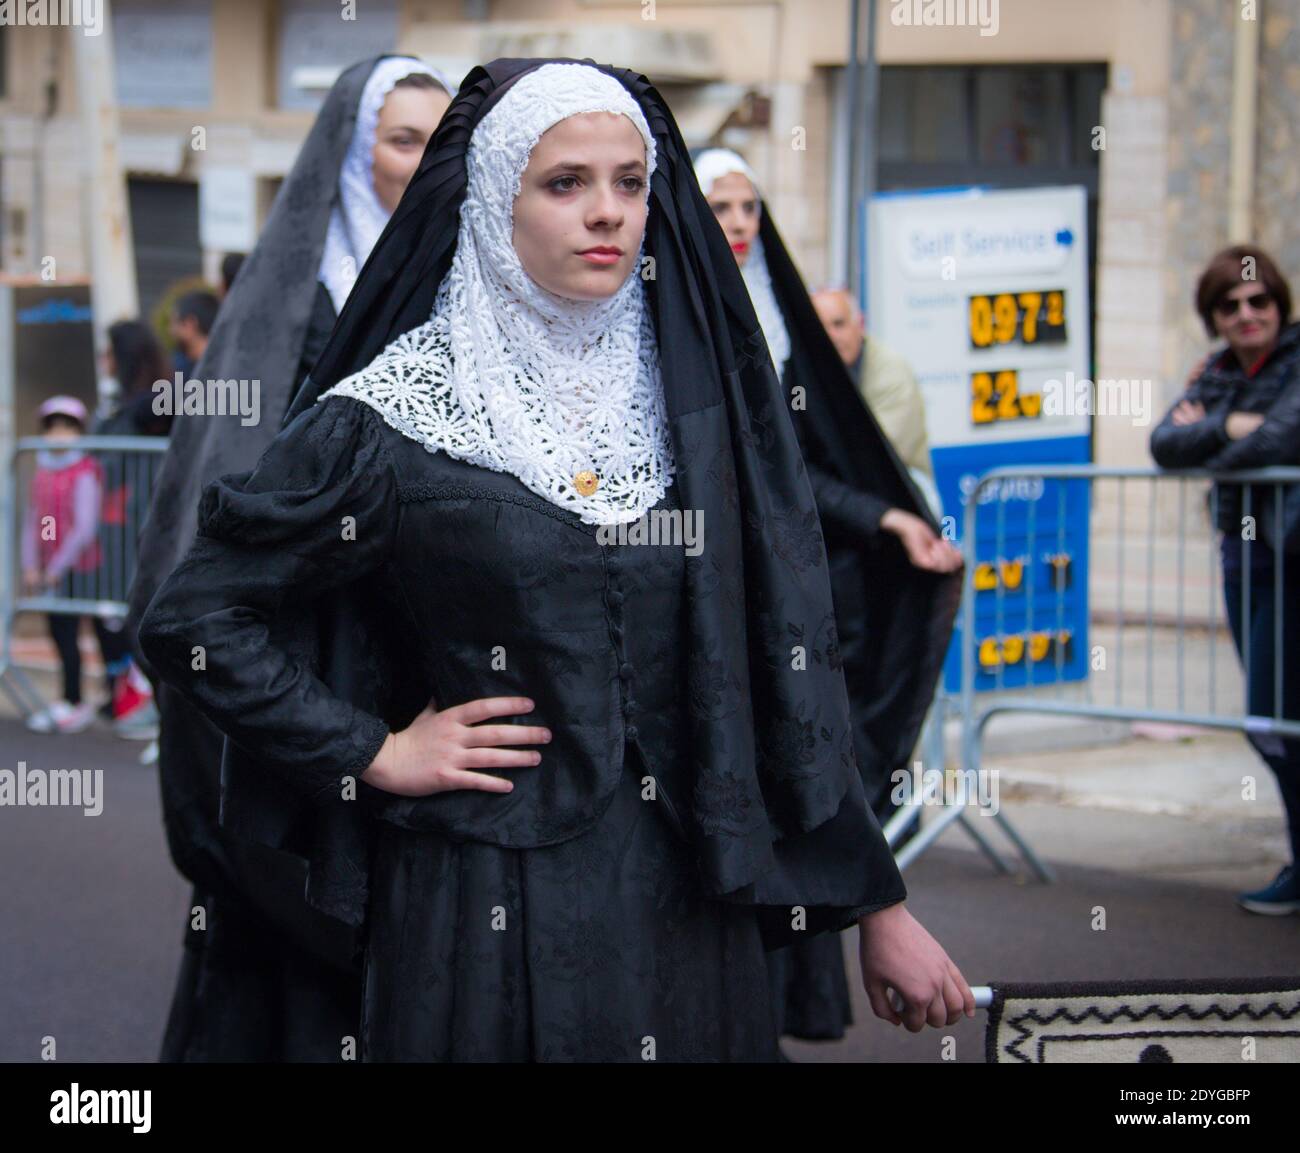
(318,511)
(850,510)
(1275,442)
(829,877)
(1189,445)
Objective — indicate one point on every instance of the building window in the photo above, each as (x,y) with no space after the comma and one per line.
(165,227)
(1006,126)
(313,44)
(163,53)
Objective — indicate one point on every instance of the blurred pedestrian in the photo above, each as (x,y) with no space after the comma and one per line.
(885,382)
(191,321)
(1242,411)
(136,360)
(59,538)
(231,263)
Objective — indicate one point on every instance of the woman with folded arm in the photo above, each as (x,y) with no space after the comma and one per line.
(1242,411)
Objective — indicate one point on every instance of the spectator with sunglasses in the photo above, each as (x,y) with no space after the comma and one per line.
(1241,410)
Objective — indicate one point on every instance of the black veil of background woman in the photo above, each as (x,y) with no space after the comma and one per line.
(266,977)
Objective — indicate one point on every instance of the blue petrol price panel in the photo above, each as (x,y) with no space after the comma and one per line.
(985,294)
(1030,565)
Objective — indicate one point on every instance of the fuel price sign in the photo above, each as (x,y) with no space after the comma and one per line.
(986,296)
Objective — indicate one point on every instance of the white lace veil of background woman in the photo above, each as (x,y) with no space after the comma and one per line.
(773,762)
(711,164)
(358,216)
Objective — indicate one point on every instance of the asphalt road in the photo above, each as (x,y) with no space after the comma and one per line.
(92,916)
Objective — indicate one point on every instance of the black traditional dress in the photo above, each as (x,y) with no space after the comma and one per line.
(598,948)
(356,573)
(593,942)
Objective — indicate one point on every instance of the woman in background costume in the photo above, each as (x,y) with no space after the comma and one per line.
(269,978)
(895,581)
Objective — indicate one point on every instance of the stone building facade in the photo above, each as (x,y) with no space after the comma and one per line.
(764,77)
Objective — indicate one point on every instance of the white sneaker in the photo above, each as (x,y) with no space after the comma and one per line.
(43,721)
(62,717)
(79,719)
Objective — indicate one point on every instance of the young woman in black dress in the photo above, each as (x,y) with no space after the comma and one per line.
(572,789)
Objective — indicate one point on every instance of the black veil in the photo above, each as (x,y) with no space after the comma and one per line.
(895,620)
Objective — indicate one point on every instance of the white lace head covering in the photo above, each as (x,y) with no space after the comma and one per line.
(709,166)
(359,216)
(512,377)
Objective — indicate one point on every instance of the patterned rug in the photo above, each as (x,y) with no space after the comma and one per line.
(1233,1019)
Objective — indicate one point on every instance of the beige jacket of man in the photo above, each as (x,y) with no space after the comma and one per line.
(890,390)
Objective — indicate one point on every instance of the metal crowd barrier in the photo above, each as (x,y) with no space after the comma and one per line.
(1143,638)
(128,467)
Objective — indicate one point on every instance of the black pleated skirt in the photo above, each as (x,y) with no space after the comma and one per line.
(597,949)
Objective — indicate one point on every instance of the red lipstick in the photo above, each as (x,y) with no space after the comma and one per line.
(601,254)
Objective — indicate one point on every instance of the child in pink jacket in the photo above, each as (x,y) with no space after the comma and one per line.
(59,538)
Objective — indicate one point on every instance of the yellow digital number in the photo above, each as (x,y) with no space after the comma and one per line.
(1012,316)
(981,405)
(994,652)
(1006,318)
(1030,301)
(1006,386)
(1056,309)
(981,321)
(995,396)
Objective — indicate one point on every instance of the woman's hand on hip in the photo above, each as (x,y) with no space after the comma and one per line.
(898,954)
(444,750)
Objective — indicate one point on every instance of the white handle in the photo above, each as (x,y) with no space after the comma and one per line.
(983,997)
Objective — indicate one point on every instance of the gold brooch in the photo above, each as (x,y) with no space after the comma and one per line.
(586,481)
